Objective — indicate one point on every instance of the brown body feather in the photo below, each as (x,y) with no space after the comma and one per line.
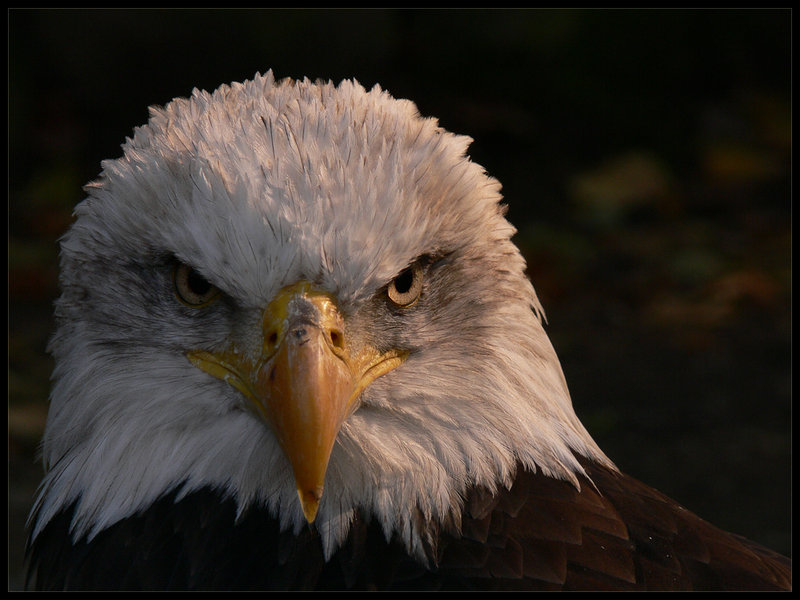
(614,534)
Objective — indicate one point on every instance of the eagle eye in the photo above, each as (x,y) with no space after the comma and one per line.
(192,288)
(404,290)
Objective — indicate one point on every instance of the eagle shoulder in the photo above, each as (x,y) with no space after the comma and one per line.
(613,532)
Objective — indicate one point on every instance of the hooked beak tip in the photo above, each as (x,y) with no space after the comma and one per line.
(309,500)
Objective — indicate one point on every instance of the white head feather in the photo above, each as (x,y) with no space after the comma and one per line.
(259,185)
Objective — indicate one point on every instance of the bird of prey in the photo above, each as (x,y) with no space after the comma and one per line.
(296,349)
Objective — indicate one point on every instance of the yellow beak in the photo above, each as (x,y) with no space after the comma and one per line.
(304,380)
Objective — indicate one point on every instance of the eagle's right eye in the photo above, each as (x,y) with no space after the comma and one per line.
(193,289)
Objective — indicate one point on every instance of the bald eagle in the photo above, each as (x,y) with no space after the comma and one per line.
(296,349)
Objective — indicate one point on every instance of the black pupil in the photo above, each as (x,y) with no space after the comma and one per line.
(197,284)
(403,281)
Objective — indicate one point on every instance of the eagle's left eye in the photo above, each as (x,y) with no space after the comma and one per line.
(192,288)
(404,290)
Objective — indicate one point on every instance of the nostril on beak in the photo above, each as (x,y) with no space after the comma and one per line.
(336,337)
(272,339)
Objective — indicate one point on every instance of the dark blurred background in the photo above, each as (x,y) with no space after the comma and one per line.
(645,158)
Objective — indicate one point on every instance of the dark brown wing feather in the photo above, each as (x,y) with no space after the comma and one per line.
(614,534)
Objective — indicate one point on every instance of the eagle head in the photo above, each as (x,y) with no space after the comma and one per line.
(306,297)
